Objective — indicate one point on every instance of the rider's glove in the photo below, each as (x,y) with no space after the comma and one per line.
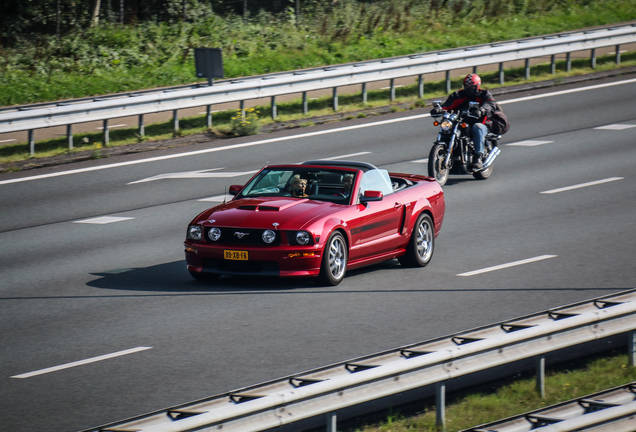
(436,111)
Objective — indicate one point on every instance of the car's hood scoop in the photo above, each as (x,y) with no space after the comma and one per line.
(271,205)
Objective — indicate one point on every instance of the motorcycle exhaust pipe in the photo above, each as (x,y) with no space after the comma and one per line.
(491,158)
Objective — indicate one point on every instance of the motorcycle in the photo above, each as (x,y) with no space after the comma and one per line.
(453,151)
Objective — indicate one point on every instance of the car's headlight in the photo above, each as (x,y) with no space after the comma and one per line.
(446,125)
(194,232)
(303,237)
(269,236)
(214,234)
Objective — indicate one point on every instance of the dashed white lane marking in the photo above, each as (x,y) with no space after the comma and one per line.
(582,185)
(194,174)
(529,143)
(103,220)
(81,362)
(218,198)
(8,140)
(503,266)
(617,126)
(421,161)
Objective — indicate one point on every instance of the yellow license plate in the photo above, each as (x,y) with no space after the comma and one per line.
(235,255)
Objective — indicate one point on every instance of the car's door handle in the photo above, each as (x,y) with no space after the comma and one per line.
(397,205)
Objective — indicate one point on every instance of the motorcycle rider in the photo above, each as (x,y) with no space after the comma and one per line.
(460,99)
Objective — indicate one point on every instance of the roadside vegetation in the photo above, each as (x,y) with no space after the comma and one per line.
(513,397)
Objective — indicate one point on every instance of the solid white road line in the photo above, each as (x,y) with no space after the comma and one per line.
(81,362)
(582,185)
(503,266)
(103,220)
(272,140)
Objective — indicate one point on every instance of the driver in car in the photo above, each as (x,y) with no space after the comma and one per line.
(297,186)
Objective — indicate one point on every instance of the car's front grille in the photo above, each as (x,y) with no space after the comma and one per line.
(242,236)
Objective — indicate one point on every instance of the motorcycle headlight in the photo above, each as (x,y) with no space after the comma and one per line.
(194,232)
(269,236)
(214,234)
(303,237)
(446,125)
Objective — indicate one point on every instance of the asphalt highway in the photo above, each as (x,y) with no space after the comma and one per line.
(100,320)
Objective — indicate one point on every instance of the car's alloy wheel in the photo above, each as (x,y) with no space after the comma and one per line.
(334,260)
(422,243)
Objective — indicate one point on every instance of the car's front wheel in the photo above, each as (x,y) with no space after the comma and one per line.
(421,244)
(334,260)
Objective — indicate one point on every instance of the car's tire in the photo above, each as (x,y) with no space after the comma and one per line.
(204,277)
(421,244)
(334,260)
(436,159)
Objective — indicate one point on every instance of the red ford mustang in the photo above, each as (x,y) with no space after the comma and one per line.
(317,219)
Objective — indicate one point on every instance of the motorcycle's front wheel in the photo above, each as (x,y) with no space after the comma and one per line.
(436,166)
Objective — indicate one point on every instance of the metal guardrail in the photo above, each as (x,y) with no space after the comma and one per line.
(614,409)
(303,81)
(326,390)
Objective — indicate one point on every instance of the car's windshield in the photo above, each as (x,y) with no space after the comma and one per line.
(322,184)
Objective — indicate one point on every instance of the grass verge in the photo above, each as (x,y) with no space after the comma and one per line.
(515,396)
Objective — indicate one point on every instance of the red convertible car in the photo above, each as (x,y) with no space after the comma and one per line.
(317,219)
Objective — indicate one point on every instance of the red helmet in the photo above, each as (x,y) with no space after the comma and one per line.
(472,80)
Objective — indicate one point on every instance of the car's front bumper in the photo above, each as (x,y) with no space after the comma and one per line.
(283,261)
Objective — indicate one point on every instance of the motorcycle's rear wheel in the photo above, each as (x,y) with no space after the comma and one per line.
(436,168)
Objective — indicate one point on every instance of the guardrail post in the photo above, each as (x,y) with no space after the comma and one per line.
(335,98)
(420,86)
(364,93)
(541,375)
(106,134)
(501,73)
(392,89)
(553,64)
(593,58)
(69,136)
(242,108)
(527,68)
(440,402)
(141,127)
(273,104)
(208,116)
(332,422)
(305,105)
(474,69)
(618,55)
(568,62)
(175,120)
(31,142)
(448,82)
(631,346)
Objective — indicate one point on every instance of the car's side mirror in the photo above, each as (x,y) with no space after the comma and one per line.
(235,189)
(371,195)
